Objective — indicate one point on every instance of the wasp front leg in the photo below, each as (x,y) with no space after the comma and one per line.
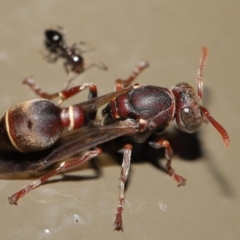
(120,84)
(64,94)
(168,154)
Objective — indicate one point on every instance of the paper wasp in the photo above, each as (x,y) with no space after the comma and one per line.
(136,113)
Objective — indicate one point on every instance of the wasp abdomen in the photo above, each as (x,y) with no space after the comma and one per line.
(26,126)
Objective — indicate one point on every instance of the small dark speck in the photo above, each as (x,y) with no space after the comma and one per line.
(29,125)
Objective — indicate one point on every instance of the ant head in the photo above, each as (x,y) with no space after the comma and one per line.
(189,110)
(53,36)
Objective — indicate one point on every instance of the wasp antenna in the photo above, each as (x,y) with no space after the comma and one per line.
(199,80)
(220,129)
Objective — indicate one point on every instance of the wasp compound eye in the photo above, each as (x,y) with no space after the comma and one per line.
(191,120)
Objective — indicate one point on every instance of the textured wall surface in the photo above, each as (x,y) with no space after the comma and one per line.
(169,34)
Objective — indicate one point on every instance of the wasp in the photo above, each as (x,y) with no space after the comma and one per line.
(134,112)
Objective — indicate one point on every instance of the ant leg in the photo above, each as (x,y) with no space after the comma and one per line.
(72,72)
(79,50)
(62,168)
(51,57)
(120,84)
(64,94)
(48,55)
(168,154)
(123,178)
(97,63)
(67,67)
(71,76)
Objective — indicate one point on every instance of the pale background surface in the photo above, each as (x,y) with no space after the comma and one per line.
(169,34)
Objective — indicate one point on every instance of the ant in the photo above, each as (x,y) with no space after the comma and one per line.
(139,113)
(74,62)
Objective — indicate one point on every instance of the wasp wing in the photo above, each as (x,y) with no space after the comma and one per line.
(85,139)
(93,104)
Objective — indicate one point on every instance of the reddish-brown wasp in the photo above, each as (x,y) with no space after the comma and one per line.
(137,113)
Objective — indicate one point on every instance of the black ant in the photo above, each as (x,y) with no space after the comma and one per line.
(74,62)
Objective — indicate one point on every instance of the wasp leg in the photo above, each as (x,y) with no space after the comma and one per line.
(120,84)
(123,178)
(64,166)
(168,154)
(64,94)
